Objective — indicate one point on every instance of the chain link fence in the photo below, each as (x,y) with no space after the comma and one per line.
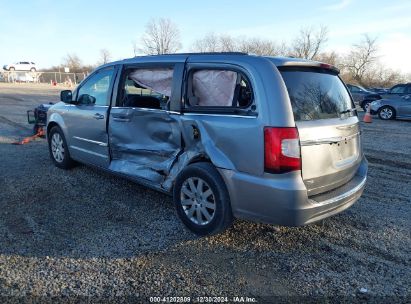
(69,79)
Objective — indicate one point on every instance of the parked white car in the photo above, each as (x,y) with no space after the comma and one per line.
(21,66)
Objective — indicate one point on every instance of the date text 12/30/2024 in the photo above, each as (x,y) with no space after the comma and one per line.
(236,299)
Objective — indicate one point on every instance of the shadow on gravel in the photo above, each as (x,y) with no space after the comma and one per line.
(80,213)
(86,213)
(87,216)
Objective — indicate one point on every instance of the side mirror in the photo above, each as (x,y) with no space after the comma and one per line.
(86,99)
(66,96)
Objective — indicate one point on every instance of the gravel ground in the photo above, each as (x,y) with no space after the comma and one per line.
(84,233)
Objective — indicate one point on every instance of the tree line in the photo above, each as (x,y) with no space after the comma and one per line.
(361,65)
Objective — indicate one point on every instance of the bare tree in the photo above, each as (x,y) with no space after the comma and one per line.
(105,56)
(331,58)
(261,47)
(73,62)
(210,43)
(226,43)
(309,42)
(162,36)
(135,48)
(381,76)
(361,58)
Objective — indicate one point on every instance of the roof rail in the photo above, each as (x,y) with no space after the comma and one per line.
(201,53)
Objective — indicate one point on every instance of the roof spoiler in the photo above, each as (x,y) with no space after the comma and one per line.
(311,64)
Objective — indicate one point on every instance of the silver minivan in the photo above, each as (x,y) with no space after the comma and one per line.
(228,135)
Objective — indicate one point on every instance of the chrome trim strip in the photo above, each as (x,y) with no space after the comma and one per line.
(91,141)
(329,140)
(218,115)
(89,152)
(143,109)
(347,127)
(341,196)
(77,105)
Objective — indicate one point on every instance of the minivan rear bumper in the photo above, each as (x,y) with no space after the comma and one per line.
(283,200)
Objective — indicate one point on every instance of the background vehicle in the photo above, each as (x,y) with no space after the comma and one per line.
(397,90)
(399,107)
(267,139)
(362,96)
(379,90)
(21,66)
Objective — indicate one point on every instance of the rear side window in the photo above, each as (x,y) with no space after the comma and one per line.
(218,89)
(316,94)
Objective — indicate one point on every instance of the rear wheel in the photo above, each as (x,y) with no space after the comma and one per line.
(58,149)
(201,199)
(11,69)
(386,113)
(32,69)
(365,105)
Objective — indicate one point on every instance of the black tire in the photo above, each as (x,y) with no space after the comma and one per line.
(365,104)
(12,69)
(386,113)
(66,162)
(32,69)
(222,216)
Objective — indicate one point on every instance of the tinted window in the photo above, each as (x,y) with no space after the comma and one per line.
(97,87)
(316,94)
(398,90)
(355,89)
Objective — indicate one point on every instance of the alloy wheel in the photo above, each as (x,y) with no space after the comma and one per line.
(198,201)
(386,113)
(57,147)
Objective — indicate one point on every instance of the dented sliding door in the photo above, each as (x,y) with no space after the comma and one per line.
(144,132)
(144,143)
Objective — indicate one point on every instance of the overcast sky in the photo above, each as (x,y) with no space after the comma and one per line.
(45,31)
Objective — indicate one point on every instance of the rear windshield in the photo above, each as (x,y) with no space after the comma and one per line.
(316,94)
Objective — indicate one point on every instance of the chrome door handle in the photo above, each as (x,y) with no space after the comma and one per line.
(98,116)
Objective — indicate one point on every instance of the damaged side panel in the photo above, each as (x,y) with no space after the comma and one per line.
(144,143)
(218,140)
(157,145)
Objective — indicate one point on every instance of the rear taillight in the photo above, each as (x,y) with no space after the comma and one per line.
(281,150)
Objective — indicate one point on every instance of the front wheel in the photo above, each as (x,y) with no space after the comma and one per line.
(202,200)
(386,113)
(58,149)
(365,105)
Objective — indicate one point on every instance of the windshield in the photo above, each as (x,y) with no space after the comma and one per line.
(398,90)
(316,94)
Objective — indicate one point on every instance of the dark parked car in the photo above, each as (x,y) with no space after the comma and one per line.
(393,93)
(396,107)
(362,96)
(379,90)
(398,90)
